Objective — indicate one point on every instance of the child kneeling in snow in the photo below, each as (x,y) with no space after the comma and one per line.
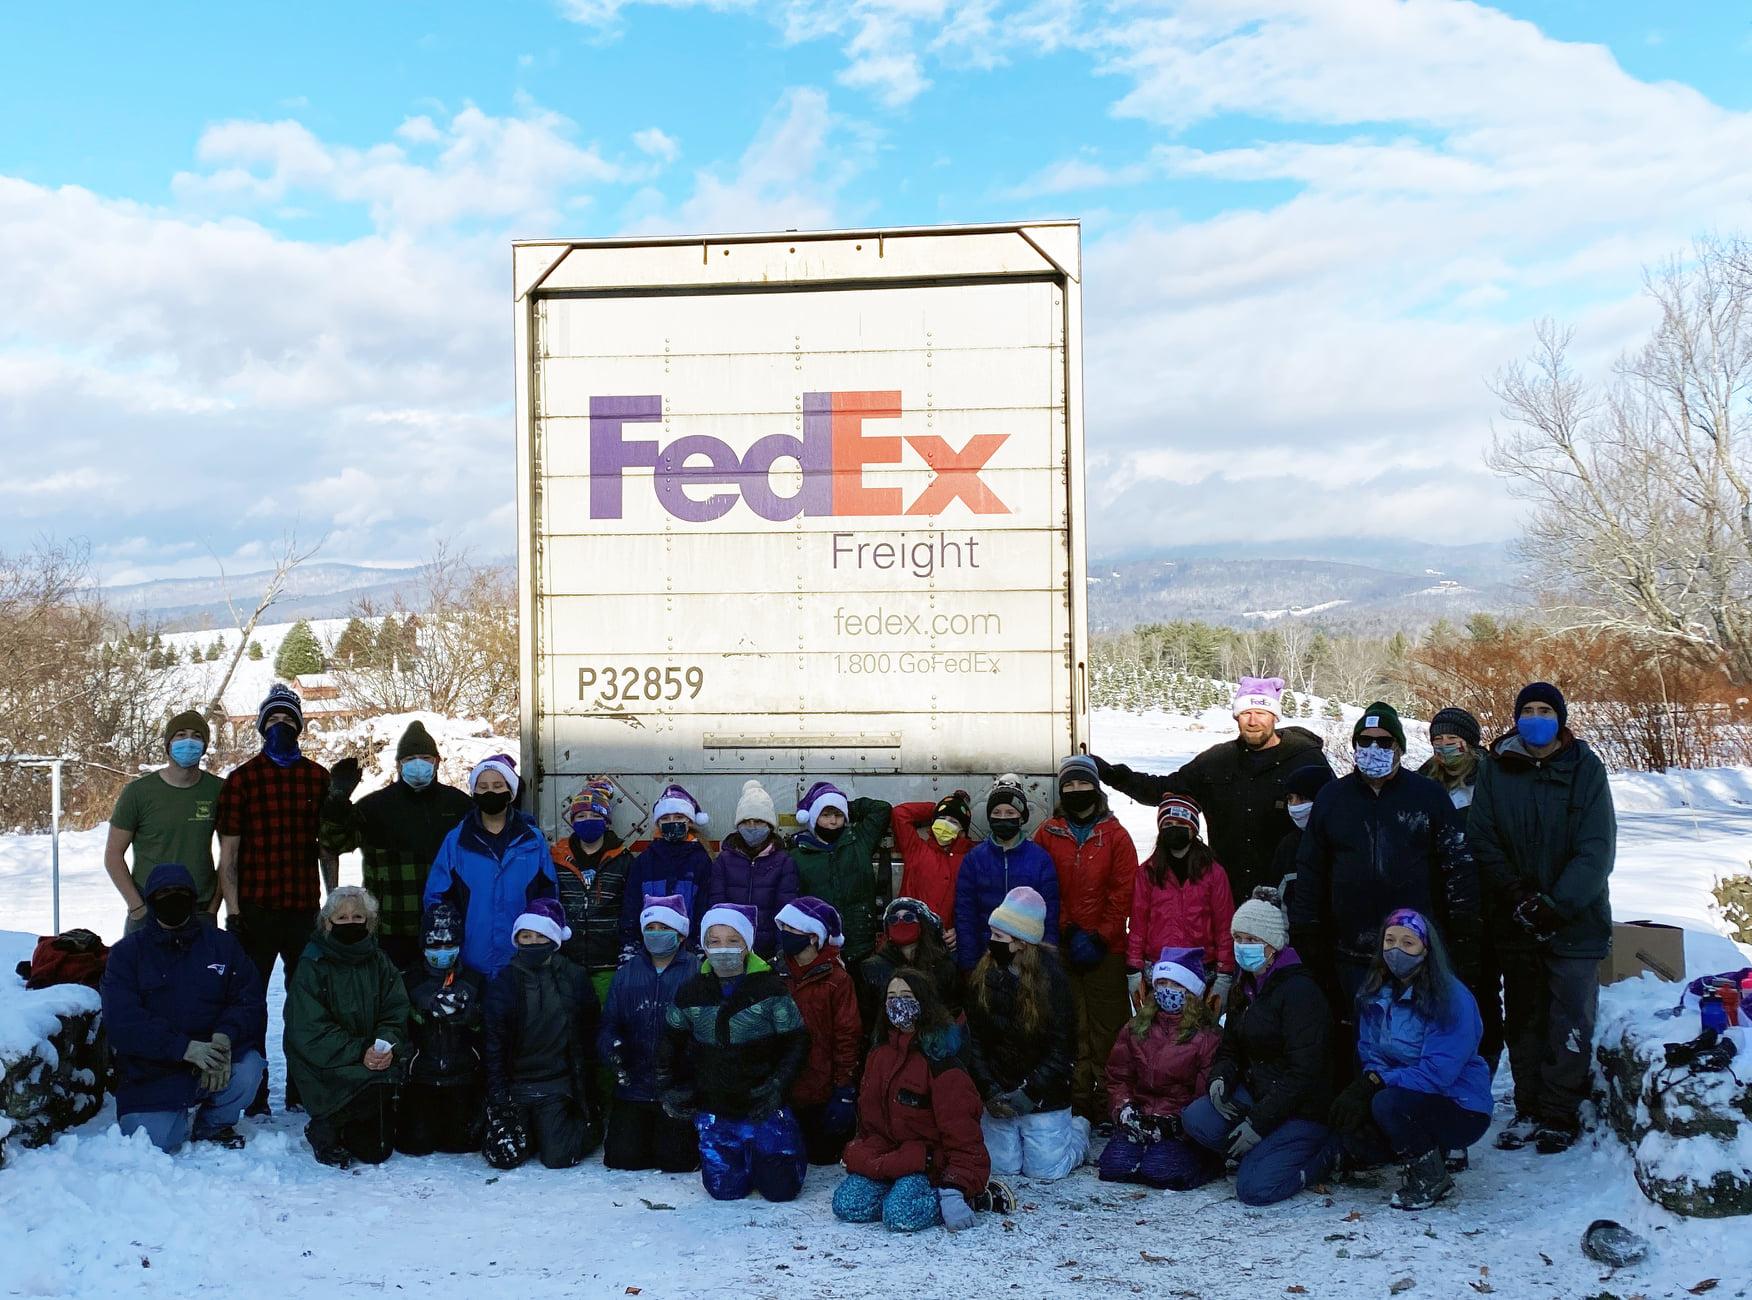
(1161,1064)
(823,1098)
(441,1096)
(919,1158)
(735,1044)
(540,1046)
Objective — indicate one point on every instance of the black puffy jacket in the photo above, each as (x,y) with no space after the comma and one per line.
(444,1027)
(1275,1044)
(541,1028)
(1002,1058)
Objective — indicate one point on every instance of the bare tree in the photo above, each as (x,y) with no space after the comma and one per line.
(1643,487)
(286,560)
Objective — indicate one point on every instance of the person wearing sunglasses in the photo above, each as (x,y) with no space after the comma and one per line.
(1379,839)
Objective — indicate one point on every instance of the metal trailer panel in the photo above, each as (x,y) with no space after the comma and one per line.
(904,613)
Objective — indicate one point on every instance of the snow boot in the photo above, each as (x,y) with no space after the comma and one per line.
(1518,1133)
(1423,1182)
(226,1137)
(333,1155)
(1556,1136)
(1458,1161)
(996,1199)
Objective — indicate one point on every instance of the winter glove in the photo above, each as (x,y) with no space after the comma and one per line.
(1220,992)
(1084,948)
(998,1106)
(622,1076)
(1024,1101)
(205,1057)
(344,778)
(1350,1110)
(215,1079)
(842,1110)
(957,1213)
(1243,1140)
(1219,1095)
(447,1001)
(678,1103)
(1165,1128)
(1539,916)
(1134,1125)
(765,1099)
(1106,770)
(1134,987)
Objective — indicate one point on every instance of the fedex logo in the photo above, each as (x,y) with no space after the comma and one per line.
(833,451)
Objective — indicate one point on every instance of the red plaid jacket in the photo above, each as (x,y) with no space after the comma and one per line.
(277,811)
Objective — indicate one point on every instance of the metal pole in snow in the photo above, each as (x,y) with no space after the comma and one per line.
(55,839)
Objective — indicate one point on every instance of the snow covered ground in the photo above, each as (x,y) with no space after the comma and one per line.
(97,1215)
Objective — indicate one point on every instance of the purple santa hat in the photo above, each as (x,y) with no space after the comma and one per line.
(1259,693)
(665,909)
(675,799)
(822,796)
(814,916)
(1185,966)
(740,917)
(546,918)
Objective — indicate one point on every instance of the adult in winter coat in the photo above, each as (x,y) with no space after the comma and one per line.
(823,1096)
(753,868)
(1095,860)
(491,867)
(932,840)
(540,1042)
(443,1083)
(1544,832)
(1180,899)
(183,1009)
(735,1045)
(920,1157)
(1379,839)
(346,1029)
(912,936)
(1238,783)
(1160,1065)
(1022,1049)
(634,1021)
(674,863)
(1424,1090)
(1271,1081)
(590,875)
(1301,786)
(834,854)
(998,865)
(398,831)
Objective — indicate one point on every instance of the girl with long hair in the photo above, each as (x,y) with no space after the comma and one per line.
(1180,899)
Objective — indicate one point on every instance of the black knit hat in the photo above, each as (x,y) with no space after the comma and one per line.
(1383,715)
(1308,780)
(1453,721)
(1543,693)
(280,699)
(1007,789)
(415,740)
(956,806)
(443,928)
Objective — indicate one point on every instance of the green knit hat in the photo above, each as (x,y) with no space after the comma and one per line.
(415,740)
(1383,715)
(189,720)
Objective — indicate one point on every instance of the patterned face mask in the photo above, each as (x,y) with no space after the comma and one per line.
(1173,1001)
(903,1012)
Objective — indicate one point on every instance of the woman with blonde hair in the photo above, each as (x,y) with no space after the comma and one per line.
(1023,1046)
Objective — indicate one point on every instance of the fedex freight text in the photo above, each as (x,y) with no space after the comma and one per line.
(921,558)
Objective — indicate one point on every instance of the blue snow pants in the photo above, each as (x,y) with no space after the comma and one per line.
(739,1155)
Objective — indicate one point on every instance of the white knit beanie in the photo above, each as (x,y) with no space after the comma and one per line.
(756,805)
(1263,920)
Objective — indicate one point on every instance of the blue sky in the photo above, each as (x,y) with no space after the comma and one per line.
(258,256)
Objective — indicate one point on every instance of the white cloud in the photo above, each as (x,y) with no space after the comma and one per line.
(657,143)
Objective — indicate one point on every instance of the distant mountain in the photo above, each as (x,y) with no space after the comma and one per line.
(1357,586)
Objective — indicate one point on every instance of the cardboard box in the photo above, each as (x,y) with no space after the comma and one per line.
(1639,946)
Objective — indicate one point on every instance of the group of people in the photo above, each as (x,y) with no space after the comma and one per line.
(1303,975)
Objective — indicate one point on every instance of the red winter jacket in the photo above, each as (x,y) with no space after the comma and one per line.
(1191,915)
(927,869)
(824,993)
(918,1113)
(1155,1071)
(1095,877)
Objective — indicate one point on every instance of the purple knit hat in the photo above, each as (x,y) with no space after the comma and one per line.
(822,796)
(814,916)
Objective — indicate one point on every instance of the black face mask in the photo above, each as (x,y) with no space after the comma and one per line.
(1002,953)
(792,944)
(173,907)
(1080,803)
(1176,839)
(492,802)
(349,932)
(830,835)
(533,956)
(1005,829)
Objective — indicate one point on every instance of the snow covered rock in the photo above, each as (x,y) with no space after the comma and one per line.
(52,1066)
(1689,1130)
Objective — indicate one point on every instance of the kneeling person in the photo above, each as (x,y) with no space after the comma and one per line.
(634,1021)
(441,1099)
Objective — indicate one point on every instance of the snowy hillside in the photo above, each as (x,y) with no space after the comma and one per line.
(197,681)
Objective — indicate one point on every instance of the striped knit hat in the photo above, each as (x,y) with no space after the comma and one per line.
(1022,915)
(1180,808)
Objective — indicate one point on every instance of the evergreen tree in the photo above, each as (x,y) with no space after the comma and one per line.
(357,643)
(255,651)
(299,652)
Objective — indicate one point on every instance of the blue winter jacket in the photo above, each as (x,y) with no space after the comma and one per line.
(661,870)
(1410,1050)
(987,874)
(163,989)
(633,1020)
(491,887)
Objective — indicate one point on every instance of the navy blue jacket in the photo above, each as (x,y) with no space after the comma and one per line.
(633,1020)
(1366,853)
(662,870)
(987,874)
(491,884)
(163,989)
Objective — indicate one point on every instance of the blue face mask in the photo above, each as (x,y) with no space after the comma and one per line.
(442,958)
(674,832)
(187,751)
(1537,731)
(1250,957)
(1375,763)
(281,744)
(418,773)
(754,836)
(589,829)
(1173,1001)
(1402,963)
(661,941)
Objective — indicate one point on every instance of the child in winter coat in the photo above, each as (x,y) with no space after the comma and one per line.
(346,998)
(1095,860)
(1301,784)
(634,1022)
(1270,1085)
(753,868)
(590,867)
(1160,1064)
(823,1098)
(541,1018)
(675,862)
(1180,899)
(998,865)
(735,1045)
(919,1157)
(932,840)
(443,1088)
(1023,1046)
(834,855)
(912,935)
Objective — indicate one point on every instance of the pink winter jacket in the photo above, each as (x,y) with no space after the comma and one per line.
(1155,1071)
(1193,915)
